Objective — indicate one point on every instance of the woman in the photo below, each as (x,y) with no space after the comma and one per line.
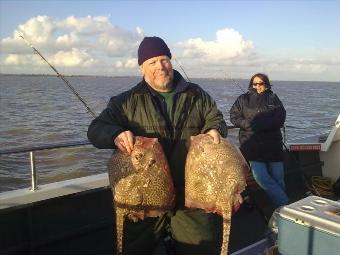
(260,114)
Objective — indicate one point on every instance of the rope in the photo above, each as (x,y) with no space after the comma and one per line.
(321,186)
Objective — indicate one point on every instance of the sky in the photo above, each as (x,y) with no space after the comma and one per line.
(288,40)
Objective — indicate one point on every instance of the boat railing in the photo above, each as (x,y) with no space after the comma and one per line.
(32,149)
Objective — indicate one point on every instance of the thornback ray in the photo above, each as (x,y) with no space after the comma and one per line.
(214,178)
(141,184)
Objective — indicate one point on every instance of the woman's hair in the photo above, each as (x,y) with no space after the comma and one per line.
(263,77)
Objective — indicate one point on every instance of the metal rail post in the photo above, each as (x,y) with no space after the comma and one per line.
(284,134)
(33,172)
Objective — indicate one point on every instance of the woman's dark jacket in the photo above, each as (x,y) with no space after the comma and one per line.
(140,110)
(259,117)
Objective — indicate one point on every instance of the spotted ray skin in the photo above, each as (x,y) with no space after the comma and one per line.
(214,177)
(141,183)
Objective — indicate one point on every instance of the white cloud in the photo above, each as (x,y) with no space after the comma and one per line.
(119,64)
(94,33)
(128,64)
(74,42)
(40,28)
(313,66)
(131,63)
(73,58)
(14,45)
(307,66)
(93,45)
(68,40)
(15,59)
(98,34)
(86,25)
(227,45)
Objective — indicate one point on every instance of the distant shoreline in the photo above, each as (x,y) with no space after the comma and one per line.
(77,75)
(134,76)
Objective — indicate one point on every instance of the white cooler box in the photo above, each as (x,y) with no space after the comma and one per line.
(310,226)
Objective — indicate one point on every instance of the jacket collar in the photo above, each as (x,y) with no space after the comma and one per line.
(252,91)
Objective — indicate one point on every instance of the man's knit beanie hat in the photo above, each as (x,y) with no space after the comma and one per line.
(152,47)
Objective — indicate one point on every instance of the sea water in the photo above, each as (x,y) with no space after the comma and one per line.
(41,110)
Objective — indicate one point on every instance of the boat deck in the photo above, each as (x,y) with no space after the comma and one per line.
(77,217)
(83,223)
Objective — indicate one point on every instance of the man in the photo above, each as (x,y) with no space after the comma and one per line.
(165,106)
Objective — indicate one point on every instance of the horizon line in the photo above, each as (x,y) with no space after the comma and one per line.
(136,76)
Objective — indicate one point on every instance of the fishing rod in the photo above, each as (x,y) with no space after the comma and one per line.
(61,76)
(236,83)
(180,66)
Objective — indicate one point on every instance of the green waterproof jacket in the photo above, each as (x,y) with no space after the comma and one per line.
(140,110)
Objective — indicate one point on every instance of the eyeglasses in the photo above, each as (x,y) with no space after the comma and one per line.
(259,83)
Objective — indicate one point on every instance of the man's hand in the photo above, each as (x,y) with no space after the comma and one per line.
(214,134)
(124,141)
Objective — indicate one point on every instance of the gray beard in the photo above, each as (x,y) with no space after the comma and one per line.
(164,87)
